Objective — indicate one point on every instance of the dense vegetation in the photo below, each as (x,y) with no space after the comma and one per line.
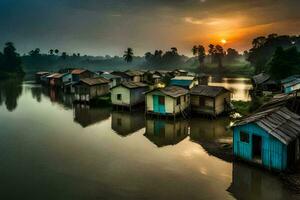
(10,61)
(267,53)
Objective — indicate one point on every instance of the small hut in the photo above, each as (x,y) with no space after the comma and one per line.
(168,101)
(89,88)
(59,80)
(165,132)
(39,75)
(128,94)
(114,79)
(269,138)
(78,74)
(135,75)
(210,100)
(187,82)
(291,84)
(263,82)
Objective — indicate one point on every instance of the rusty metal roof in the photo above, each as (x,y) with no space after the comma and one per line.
(209,91)
(94,81)
(173,91)
(279,122)
(78,71)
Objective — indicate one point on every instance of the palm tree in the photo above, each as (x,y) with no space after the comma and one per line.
(174,50)
(128,55)
(51,52)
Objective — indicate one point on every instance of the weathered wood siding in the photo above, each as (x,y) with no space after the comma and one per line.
(274,153)
(220,104)
(208,107)
(125,93)
(137,95)
(86,93)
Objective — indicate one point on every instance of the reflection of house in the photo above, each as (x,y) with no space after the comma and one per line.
(251,183)
(213,136)
(187,82)
(86,116)
(128,94)
(78,74)
(171,100)
(163,133)
(269,138)
(89,88)
(124,123)
(211,100)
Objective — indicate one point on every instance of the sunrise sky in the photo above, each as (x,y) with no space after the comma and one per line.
(100,27)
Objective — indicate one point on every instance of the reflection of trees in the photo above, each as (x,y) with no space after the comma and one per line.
(36,93)
(10,91)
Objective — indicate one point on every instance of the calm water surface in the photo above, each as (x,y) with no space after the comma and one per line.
(51,149)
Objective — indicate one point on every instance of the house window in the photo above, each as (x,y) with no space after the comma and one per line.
(161,100)
(178,101)
(244,137)
(119,97)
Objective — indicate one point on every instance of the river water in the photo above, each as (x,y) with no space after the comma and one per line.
(51,149)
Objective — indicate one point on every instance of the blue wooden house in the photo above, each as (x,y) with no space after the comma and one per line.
(269,138)
(291,84)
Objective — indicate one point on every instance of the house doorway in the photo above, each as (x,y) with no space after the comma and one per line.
(256,148)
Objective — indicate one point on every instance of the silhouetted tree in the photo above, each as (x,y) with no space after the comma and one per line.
(35,52)
(219,54)
(128,55)
(284,63)
(56,51)
(211,52)
(11,60)
(232,55)
(51,51)
(64,55)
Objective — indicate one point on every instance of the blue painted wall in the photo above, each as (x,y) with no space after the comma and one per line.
(158,108)
(183,83)
(274,153)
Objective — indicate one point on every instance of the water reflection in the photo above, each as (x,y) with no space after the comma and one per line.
(252,183)
(86,116)
(213,135)
(240,87)
(10,91)
(163,132)
(125,123)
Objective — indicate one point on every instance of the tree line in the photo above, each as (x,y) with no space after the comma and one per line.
(10,60)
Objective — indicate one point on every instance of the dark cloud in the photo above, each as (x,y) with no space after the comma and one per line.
(109,26)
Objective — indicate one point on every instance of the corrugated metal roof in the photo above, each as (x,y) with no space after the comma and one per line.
(131,84)
(94,81)
(209,91)
(279,122)
(261,78)
(173,91)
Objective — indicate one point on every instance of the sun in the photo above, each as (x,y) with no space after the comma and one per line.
(223,41)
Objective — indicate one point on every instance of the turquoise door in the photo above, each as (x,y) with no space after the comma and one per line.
(159,104)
